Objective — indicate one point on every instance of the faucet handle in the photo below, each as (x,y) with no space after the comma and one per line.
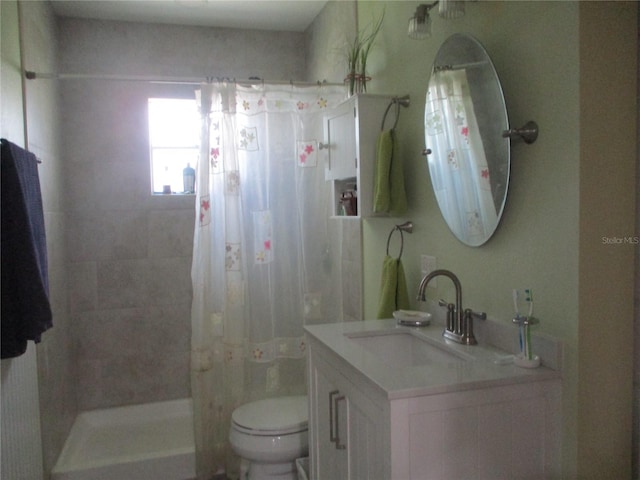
(451,316)
(478,315)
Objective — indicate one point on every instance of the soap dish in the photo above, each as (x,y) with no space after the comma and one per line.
(412,318)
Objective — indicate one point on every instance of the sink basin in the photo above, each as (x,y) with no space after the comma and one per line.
(404,348)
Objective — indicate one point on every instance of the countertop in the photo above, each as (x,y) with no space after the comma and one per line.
(469,367)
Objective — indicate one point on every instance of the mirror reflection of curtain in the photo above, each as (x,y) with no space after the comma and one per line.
(457,164)
(259,246)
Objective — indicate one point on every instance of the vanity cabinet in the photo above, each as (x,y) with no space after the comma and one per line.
(351,132)
(346,435)
(476,430)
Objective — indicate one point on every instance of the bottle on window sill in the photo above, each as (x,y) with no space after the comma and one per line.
(189,179)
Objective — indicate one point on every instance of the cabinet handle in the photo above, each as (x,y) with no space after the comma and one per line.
(322,146)
(336,401)
(332,437)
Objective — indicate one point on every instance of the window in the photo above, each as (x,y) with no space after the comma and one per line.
(174,130)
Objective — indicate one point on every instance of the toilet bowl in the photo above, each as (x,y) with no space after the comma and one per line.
(268,435)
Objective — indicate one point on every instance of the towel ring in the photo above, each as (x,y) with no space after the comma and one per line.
(398,102)
(384,118)
(405,227)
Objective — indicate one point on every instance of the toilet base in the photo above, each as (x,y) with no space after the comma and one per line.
(270,471)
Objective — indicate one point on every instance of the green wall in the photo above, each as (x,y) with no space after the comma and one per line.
(547,239)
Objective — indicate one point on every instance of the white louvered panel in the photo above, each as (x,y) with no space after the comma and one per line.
(20,417)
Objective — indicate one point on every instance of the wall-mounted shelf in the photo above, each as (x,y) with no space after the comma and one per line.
(351,133)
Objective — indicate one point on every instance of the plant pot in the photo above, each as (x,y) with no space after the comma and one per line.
(356,83)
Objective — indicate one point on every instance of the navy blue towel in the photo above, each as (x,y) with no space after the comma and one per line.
(26,312)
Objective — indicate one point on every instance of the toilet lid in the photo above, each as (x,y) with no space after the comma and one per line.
(280,415)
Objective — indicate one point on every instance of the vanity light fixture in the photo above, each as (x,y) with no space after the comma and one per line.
(420,23)
(449,9)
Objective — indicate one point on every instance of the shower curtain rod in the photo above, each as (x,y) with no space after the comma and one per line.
(31,75)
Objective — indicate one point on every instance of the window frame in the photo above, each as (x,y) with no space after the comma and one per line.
(167,145)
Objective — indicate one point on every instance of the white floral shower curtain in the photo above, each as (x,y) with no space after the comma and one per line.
(462,185)
(259,262)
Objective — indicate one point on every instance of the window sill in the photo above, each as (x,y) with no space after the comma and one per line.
(172,194)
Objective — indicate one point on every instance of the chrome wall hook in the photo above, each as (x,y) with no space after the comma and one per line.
(528,132)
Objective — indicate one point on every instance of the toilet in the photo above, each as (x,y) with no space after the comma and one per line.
(269,435)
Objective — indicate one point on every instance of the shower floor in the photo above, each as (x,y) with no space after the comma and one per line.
(151,441)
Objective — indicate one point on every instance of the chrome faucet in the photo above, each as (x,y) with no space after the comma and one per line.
(459,324)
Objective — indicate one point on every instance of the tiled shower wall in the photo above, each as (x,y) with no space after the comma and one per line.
(326,40)
(129,251)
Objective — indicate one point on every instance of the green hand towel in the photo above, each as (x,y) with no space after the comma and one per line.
(382,184)
(389,194)
(398,202)
(393,288)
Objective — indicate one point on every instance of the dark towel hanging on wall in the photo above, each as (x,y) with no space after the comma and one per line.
(26,312)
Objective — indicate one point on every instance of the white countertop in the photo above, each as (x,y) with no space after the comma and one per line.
(469,367)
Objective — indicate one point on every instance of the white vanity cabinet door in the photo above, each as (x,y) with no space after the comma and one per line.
(368,457)
(345,428)
(508,432)
(328,460)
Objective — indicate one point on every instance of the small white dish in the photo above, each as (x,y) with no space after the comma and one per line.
(413,318)
(520,361)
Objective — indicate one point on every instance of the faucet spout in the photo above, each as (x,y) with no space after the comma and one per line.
(459,326)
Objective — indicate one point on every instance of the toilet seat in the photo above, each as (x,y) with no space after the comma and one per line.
(272,416)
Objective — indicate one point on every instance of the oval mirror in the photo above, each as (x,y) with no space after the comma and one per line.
(469,162)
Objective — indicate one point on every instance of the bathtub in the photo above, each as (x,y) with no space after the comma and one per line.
(152,441)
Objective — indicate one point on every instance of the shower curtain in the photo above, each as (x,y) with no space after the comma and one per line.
(260,268)
(462,184)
